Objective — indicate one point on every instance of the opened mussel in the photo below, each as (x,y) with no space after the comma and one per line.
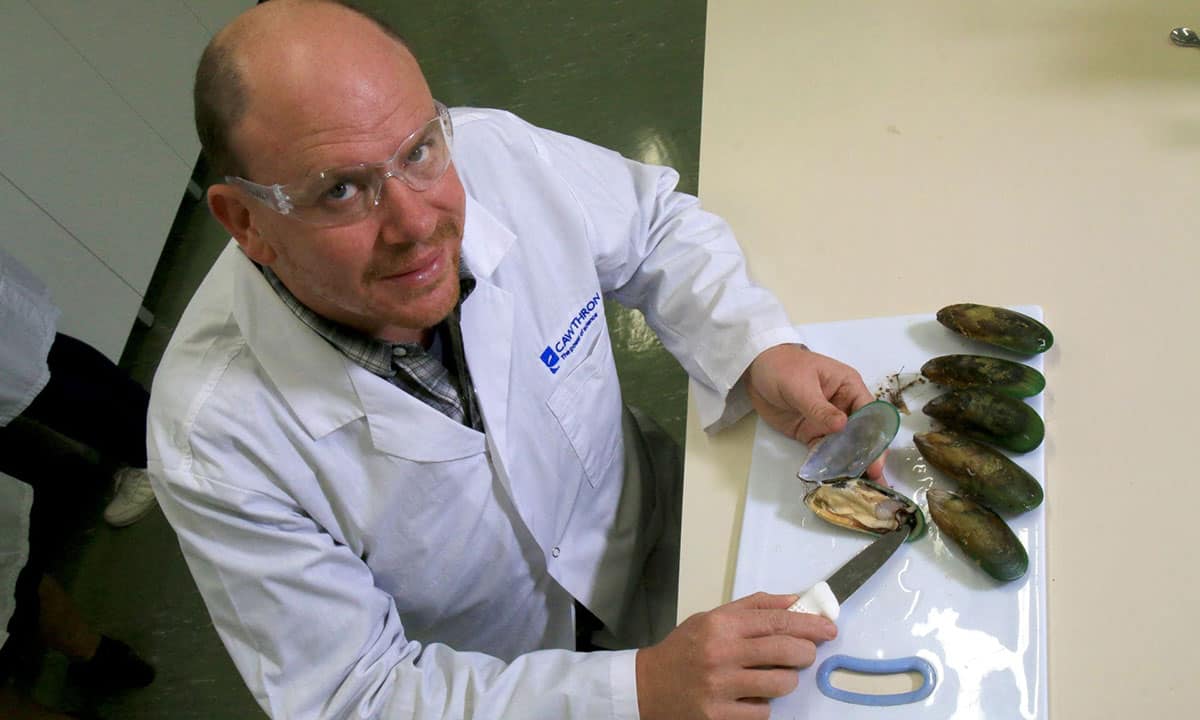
(839,496)
(1004,376)
(980,532)
(848,452)
(859,504)
(980,472)
(987,415)
(997,326)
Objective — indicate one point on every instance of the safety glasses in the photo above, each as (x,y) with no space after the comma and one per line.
(344,195)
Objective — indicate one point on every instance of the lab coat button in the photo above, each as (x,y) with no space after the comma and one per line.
(554,552)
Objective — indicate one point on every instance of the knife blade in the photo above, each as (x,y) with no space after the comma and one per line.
(826,597)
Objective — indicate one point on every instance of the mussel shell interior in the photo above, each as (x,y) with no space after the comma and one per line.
(848,452)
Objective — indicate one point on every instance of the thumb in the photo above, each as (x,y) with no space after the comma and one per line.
(821,417)
(824,418)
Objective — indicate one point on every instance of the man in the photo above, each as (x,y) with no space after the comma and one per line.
(388,430)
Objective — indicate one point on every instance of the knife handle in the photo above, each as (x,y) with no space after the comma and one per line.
(817,600)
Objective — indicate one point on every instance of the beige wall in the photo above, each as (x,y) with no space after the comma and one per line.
(886,158)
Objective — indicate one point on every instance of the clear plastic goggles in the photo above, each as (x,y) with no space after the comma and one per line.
(340,196)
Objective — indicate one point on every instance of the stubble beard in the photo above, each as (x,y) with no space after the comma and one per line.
(406,308)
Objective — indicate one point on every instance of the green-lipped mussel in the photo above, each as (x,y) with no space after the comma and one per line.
(986,415)
(997,326)
(980,472)
(859,504)
(981,533)
(848,452)
(1004,376)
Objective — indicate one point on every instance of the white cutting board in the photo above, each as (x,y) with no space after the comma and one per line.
(985,640)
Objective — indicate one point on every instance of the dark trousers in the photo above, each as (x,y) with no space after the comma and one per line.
(93,402)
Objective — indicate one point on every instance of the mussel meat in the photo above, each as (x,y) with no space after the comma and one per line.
(859,504)
(981,533)
(980,472)
(848,452)
(1004,376)
(987,415)
(997,326)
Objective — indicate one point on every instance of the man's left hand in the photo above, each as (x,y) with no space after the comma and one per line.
(806,395)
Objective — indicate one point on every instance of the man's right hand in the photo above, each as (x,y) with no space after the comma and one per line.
(728,662)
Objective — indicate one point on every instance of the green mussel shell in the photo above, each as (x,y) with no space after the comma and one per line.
(1004,376)
(859,504)
(981,533)
(997,326)
(986,415)
(980,472)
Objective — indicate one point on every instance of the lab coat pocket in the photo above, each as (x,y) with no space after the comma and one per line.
(587,405)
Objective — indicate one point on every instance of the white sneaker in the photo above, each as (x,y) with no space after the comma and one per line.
(133,497)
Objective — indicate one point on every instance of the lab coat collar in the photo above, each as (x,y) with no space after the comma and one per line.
(309,373)
(486,240)
(487,317)
(326,390)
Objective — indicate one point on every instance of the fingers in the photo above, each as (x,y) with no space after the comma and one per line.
(851,393)
(826,405)
(764,601)
(725,662)
(777,651)
(764,682)
(805,626)
(750,708)
(821,418)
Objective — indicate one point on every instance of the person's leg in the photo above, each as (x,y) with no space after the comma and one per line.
(45,611)
(19,653)
(97,661)
(92,401)
(62,627)
(14,706)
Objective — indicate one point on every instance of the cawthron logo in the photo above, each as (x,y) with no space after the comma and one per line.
(576,328)
(551,359)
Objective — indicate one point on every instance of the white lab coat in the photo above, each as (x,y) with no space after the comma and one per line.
(364,556)
(28,323)
(16,500)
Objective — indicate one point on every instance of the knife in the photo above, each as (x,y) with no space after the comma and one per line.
(826,597)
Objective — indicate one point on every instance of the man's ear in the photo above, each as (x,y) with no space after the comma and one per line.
(230,208)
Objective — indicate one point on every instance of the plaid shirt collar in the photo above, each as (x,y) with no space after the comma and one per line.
(377,356)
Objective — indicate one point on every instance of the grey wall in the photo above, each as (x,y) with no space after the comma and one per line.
(97,145)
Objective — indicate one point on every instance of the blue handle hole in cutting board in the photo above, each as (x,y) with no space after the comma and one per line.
(869,681)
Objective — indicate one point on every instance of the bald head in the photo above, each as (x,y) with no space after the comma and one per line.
(278,45)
